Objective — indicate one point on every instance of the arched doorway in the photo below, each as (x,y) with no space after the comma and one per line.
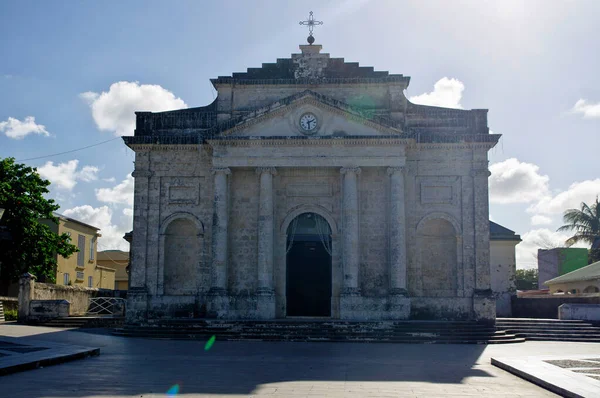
(308,266)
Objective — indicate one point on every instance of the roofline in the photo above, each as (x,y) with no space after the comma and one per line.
(65,218)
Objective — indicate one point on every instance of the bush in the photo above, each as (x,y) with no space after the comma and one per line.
(10,314)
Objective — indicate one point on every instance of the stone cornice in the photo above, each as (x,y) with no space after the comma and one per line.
(312,141)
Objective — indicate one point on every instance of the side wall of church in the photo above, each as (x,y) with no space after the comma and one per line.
(172,186)
(443,213)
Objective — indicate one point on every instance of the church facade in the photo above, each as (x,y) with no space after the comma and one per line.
(311,187)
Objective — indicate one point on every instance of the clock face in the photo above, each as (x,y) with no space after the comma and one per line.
(308,122)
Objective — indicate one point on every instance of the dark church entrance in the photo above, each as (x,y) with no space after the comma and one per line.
(309,266)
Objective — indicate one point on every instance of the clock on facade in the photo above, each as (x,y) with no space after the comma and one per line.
(308,123)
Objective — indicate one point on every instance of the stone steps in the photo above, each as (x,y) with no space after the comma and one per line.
(81,322)
(550,329)
(343,331)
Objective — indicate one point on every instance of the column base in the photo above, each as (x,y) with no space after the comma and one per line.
(265,303)
(218,303)
(399,306)
(484,306)
(137,306)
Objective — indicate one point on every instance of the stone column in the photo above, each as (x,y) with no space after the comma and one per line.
(397,232)
(351,249)
(265,291)
(484,306)
(265,230)
(137,295)
(219,231)
(137,273)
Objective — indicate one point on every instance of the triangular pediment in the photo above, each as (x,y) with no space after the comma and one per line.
(332,118)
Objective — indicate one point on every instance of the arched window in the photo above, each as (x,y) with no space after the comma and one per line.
(591,289)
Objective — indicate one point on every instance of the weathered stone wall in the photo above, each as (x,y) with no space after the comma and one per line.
(243,218)
(502,275)
(77,296)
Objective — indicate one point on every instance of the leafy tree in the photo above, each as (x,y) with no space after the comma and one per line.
(586,224)
(527,279)
(33,246)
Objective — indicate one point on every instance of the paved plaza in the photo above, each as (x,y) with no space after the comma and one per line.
(128,367)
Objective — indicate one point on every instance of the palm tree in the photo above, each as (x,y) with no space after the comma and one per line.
(586,224)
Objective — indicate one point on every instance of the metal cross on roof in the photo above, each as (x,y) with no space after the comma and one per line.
(311,23)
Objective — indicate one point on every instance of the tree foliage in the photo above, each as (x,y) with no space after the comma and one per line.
(33,246)
(585,222)
(527,279)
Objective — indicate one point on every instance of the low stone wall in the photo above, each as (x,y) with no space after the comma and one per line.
(10,303)
(78,297)
(584,312)
(547,307)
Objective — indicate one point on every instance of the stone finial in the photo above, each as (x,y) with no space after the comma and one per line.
(396,169)
(224,170)
(270,170)
(355,170)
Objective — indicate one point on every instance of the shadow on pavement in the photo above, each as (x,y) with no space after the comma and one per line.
(138,366)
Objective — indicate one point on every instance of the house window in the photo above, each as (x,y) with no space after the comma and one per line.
(90,281)
(92,246)
(81,252)
(79,275)
(66,278)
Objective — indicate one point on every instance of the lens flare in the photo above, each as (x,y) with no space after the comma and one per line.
(174,390)
(210,343)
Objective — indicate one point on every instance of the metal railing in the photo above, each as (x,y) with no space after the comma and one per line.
(107,306)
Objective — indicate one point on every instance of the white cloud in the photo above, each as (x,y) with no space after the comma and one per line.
(584,191)
(121,193)
(16,129)
(111,179)
(588,110)
(513,181)
(540,220)
(66,175)
(112,231)
(446,93)
(114,110)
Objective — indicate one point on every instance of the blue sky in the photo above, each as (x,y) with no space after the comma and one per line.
(533,64)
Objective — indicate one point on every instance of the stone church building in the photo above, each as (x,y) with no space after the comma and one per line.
(311,187)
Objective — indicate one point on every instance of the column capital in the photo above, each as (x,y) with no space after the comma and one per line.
(220,170)
(141,173)
(355,170)
(484,172)
(395,169)
(269,170)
